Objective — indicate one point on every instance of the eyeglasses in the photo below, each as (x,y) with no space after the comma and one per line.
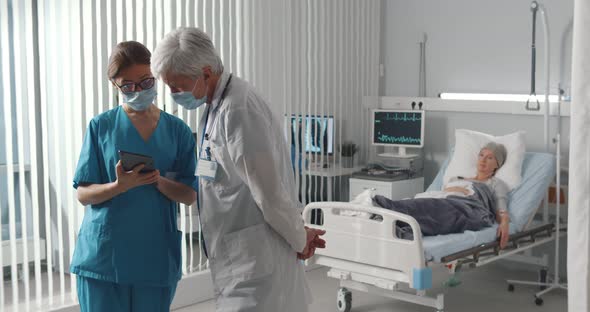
(145,84)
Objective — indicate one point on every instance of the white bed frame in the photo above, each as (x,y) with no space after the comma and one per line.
(366,255)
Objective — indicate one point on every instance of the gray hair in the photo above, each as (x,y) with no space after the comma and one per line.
(185,51)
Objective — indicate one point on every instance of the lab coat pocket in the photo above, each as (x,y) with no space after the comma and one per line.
(225,170)
(249,253)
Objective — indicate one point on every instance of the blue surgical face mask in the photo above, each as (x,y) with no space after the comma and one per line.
(187,100)
(140,100)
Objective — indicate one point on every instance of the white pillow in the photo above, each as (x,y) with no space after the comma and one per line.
(467,146)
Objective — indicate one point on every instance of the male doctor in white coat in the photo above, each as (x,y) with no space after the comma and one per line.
(253,230)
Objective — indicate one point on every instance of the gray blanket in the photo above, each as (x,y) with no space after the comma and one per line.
(454,214)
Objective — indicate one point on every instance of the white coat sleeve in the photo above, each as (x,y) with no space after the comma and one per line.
(256,151)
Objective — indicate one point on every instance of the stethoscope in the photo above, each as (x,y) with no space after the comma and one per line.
(205,135)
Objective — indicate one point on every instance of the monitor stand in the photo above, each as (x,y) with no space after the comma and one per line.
(401,154)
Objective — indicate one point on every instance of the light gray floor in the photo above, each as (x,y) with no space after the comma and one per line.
(7,289)
(482,290)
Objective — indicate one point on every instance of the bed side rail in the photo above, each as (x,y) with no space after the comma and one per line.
(367,241)
(473,255)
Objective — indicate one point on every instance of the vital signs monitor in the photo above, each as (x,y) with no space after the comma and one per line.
(399,128)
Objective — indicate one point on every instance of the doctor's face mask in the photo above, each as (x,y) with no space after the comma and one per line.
(187,96)
(187,100)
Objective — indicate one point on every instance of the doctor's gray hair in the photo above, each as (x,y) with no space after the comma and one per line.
(185,51)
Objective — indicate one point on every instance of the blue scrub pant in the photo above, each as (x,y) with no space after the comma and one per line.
(102,296)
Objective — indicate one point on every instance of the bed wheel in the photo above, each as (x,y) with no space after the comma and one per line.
(538,301)
(543,278)
(510,287)
(344,300)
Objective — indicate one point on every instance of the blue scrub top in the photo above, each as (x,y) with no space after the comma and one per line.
(132,238)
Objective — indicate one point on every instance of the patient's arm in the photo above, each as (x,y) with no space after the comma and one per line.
(503,227)
(502,217)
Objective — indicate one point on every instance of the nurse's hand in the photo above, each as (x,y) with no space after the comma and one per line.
(313,241)
(127,180)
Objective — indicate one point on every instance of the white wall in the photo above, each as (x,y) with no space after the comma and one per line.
(473,46)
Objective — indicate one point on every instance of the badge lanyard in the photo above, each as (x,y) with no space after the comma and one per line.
(204,137)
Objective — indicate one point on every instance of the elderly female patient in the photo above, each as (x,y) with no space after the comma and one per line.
(465,203)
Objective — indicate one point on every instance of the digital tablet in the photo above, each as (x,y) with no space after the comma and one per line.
(131,160)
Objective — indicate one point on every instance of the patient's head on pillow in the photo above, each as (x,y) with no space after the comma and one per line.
(468,144)
(491,157)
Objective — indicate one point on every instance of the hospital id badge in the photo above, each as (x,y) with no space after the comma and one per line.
(207,169)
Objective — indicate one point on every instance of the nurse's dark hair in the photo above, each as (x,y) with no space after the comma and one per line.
(126,54)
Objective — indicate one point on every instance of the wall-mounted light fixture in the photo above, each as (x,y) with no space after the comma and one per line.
(495,97)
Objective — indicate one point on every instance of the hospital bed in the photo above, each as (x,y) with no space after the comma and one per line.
(366,255)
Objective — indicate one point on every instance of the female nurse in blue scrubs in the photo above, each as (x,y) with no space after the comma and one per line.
(127,257)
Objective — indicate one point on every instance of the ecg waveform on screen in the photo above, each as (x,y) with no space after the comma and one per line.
(384,138)
(401,117)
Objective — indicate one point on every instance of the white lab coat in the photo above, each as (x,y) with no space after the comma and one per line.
(250,215)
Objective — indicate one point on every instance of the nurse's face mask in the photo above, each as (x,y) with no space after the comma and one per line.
(187,99)
(139,96)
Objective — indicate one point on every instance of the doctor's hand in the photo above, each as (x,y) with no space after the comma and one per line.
(127,180)
(313,241)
